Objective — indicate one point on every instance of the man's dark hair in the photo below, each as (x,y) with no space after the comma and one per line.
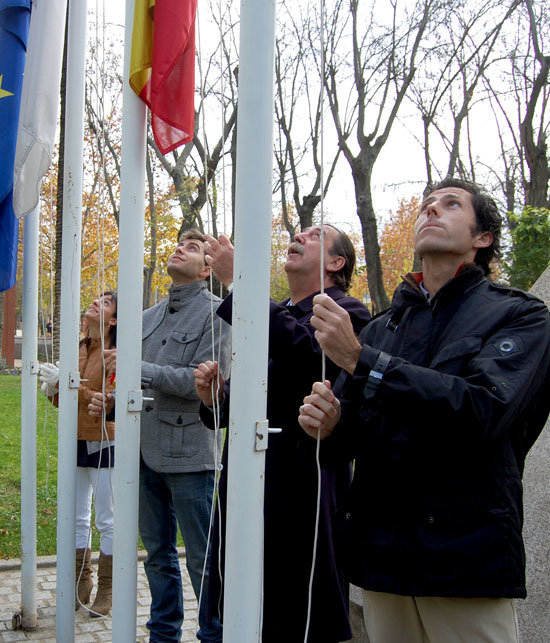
(487,217)
(343,247)
(192,233)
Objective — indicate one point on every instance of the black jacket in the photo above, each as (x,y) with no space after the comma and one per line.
(436,501)
(290,496)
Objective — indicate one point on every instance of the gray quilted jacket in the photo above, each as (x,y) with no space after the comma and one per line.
(177,336)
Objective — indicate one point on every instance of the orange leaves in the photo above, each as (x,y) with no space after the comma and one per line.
(397,243)
(396,251)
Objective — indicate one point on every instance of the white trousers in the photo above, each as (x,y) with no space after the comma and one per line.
(390,618)
(90,480)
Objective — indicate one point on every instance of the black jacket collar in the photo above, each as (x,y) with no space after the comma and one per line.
(468,277)
(306,305)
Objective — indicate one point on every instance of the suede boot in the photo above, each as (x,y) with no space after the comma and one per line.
(83,576)
(104,596)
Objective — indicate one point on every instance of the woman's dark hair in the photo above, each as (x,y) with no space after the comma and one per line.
(487,217)
(112,329)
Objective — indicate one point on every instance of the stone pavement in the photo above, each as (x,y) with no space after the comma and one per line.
(86,629)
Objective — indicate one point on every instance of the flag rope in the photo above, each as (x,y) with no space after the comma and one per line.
(215,358)
(322,283)
(100,264)
(47,352)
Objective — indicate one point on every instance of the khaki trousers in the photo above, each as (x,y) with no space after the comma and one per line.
(390,618)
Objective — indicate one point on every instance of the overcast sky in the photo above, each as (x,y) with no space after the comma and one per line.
(399,171)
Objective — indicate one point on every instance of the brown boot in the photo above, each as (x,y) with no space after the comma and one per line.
(104,596)
(83,576)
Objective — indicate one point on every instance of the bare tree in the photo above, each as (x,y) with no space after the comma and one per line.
(298,100)
(535,146)
(366,90)
(459,53)
(520,102)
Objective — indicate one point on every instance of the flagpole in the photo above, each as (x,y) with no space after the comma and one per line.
(244,533)
(69,378)
(128,375)
(29,372)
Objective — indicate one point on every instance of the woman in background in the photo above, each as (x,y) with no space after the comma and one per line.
(95,454)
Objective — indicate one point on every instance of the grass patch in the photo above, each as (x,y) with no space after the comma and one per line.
(10,472)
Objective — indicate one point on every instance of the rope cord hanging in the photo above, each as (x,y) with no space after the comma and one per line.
(215,387)
(100,266)
(48,352)
(322,283)
(215,358)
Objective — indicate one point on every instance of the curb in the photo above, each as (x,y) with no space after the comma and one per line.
(14,564)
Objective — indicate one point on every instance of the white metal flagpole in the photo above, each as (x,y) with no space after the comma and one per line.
(28,422)
(35,136)
(247,425)
(128,375)
(69,379)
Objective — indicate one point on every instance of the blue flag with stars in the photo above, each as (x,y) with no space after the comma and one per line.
(14,29)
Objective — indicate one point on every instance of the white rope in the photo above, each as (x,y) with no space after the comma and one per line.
(323,357)
(100,274)
(215,358)
(49,227)
(218,508)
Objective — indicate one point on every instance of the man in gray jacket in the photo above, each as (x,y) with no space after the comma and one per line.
(178,456)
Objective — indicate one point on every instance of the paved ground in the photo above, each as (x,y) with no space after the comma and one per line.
(86,629)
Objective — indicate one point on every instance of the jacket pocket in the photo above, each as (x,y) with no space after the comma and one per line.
(181,347)
(179,434)
(455,354)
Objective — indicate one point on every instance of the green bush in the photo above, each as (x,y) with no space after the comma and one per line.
(530,253)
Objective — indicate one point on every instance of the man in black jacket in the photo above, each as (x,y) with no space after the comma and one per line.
(290,467)
(439,401)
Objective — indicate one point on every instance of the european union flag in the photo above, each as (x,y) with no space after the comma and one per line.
(14,29)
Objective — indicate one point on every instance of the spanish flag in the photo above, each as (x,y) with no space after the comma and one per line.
(162,67)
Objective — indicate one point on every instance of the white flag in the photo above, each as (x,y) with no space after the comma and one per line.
(39,102)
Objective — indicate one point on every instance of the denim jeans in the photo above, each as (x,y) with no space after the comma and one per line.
(166,500)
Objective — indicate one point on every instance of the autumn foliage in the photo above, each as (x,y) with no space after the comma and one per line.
(396,250)
(397,243)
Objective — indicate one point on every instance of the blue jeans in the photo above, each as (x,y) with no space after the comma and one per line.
(166,500)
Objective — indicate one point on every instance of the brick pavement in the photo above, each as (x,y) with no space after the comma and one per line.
(86,629)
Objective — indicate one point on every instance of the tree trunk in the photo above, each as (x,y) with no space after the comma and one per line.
(536,151)
(233,176)
(536,190)
(365,211)
(149,271)
(306,210)
(59,202)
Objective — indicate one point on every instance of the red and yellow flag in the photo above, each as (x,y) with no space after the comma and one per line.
(162,67)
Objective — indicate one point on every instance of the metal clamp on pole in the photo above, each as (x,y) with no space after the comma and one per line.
(74,379)
(34,367)
(262,431)
(135,401)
